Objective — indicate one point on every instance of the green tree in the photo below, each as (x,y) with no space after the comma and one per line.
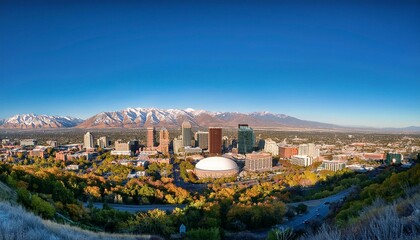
(301,208)
(42,207)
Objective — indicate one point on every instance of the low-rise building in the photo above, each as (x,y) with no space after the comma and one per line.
(332,165)
(192,150)
(373,156)
(52,143)
(301,160)
(258,162)
(61,156)
(41,153)
(28,142)
(72,167)
(287,152)
(136,174)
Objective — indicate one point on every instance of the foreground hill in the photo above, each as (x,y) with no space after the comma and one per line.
(32,121)
(7,194)
(397,220)
(17,224)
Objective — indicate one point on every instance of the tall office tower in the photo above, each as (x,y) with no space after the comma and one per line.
(202,140)
(177,145)
(225,141)
(186,133)
(245,139)
(164,140)
(103,142)
(88,141)
(215,140)
(151,137)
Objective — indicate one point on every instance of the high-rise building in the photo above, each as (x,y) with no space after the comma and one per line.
(258,162)
(177,145)
(308,150)
(103,142)
(151,137)
(287,152)
(164,140)
(202,139)
(271,146)
(245,139)
(88,141)
(125,148)
(215,140)
(186,133)
(225,141)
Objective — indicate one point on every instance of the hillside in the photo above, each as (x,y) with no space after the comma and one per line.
(386,208)
(17,224)
(397,220)
(7,194)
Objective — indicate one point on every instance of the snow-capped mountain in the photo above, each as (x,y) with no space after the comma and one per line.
(29,121)
(145,117)
(141,117)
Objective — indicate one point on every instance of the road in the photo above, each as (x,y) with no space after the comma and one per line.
(317,209)
(138,208)
(179,182)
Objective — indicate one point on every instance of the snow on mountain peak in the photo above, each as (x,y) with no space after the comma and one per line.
(39,121)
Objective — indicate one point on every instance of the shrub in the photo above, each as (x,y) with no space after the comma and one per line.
(207,234)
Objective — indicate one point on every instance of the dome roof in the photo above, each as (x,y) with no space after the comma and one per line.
(216,164)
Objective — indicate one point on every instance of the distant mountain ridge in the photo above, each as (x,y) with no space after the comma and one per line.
(32,121)
(173,118)
(146,117)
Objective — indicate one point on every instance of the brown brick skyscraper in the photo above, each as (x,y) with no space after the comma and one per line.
(151,133)
(215,141)
(164,140)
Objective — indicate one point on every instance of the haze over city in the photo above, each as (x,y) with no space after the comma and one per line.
(349,63)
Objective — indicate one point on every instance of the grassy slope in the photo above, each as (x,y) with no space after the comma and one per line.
(18,224)
(7,194)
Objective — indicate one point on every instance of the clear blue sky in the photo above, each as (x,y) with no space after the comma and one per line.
(350,63)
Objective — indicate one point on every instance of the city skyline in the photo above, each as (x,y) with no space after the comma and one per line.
(349,63)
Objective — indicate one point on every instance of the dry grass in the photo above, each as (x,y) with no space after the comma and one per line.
(17,224)
(7,194)
(397,221)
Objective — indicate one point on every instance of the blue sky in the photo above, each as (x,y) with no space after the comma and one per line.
(350,63)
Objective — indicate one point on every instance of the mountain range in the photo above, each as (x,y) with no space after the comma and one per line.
(172,118)
(31,121)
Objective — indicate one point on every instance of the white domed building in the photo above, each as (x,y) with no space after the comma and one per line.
(216,167)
